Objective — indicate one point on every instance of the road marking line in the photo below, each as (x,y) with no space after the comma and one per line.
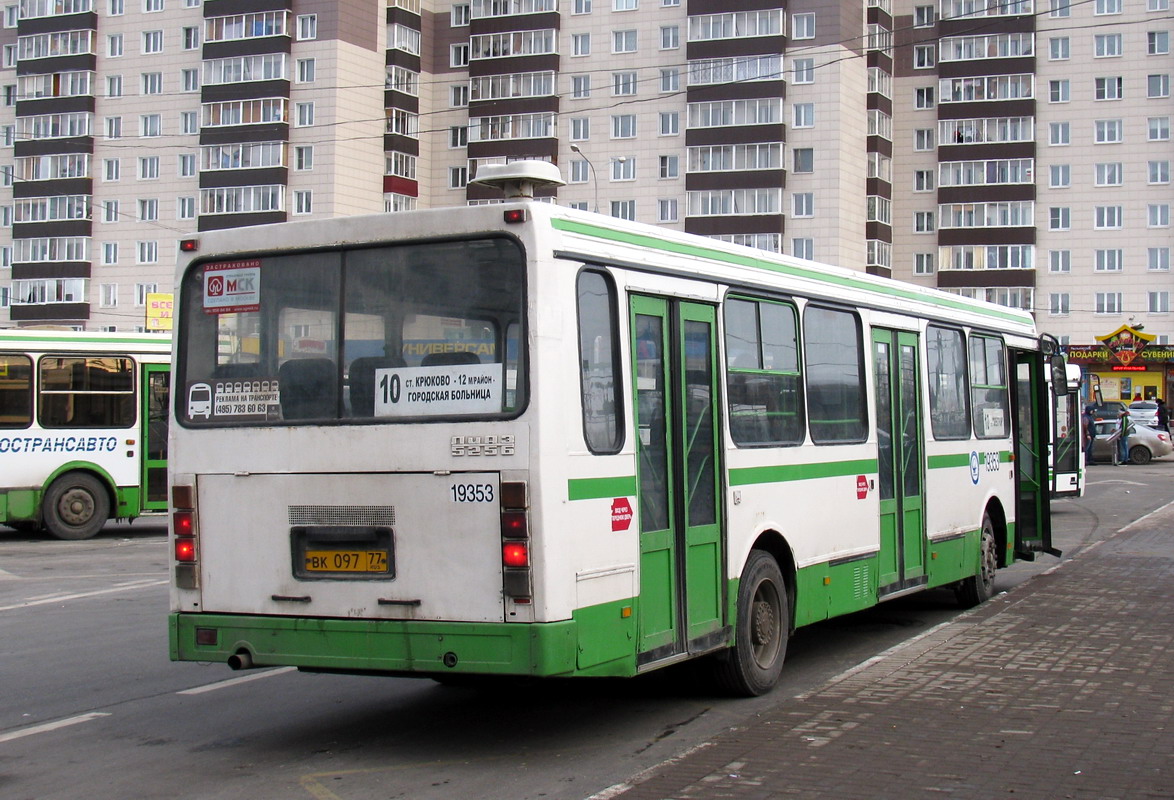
(51,726)
(82,595)
(211,687)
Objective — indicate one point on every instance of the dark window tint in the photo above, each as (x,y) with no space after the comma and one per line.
(16,391)
(945,356)
(599,359)
(762,373)
(988,386)
(836,404)
(87,392)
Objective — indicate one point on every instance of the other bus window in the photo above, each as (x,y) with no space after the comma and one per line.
(836,405)
(599,361)
(949,412)
(988,383)
(16,391)
(762,373)
(420,331)
(87,392)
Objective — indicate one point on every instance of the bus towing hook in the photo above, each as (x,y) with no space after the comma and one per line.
(241,660)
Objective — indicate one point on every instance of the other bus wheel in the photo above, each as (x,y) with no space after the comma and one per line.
(980,587)
(752,666)
(76,506)
(1140,455)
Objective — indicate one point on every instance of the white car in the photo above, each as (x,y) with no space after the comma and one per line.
(1145,444)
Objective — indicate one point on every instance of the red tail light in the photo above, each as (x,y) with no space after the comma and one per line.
(513,525)
(184,524)
(185,550)
(515,554)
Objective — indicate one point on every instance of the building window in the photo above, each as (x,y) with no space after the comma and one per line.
(1158,172)
(580,129)
(623,168)
(1157,86)
(804,115)
(1108,88)
(108,295)
(305,114)
(1059,304)
(666,210)
(625,5)
(190,78)
(923,180)
(1060,176)
(148,167)
(1059,261)
(1059,48)
(1159,302)
(670,37)
(580,44)
(923,98)
(670,167)
(109,253)
(1158,215)
(1159,258)
(1158,129)
(146,253)
(924,16)
(187,165)
(623,209)
(304,158)
(307,27)
(114,45)
(803,70)
(150,125)
(148,210)
(459,16)
(803,26)
(924,56)
(150,6)
(923,222)
(670,123)
(803,204)
(923,264)
(113,127)
(623,83)
(189,122)
(185,208)
(152,42)
(110,169)
(803,160)
(1107,218)
(110,211)
(1058,91)
(803,247)
(151,83)
(1158,43)
(623,41)
(580,86)
(191,38)
(1108,131)
(670,80)
(923,139)
(1107,7)
(1059,133)
(306,70)
(1059,218)
(1108,174)
(1109,260)
(623,126)
(1108,303)
(580,171)
(458,55)
(303,201)
(114,86)
(581,7)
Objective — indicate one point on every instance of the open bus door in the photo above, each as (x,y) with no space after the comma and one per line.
(1031,401)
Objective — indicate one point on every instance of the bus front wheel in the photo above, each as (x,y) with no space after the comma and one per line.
(76,506)
(752,666)
(980,587)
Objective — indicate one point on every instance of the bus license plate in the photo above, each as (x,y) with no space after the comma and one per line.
(346,561)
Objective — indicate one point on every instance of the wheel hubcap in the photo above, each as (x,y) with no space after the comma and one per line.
(76,507)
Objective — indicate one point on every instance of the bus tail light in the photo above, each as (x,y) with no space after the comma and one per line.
(515,542)
(183,528)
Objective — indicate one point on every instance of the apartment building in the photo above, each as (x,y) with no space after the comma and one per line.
(1013,150)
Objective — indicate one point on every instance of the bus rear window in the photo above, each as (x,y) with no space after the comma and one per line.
(405,332)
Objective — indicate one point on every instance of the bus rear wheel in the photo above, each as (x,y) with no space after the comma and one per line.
(752,666)
(980,587)
(76,506)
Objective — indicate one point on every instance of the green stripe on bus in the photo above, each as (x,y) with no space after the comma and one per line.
(961,460)
(644,240)
(597,488)
(801,472)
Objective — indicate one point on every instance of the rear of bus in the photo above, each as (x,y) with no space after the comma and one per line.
(350,465)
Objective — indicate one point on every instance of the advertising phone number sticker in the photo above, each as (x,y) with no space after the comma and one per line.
(438,391)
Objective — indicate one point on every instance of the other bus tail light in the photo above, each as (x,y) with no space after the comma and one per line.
(515,542)
(184,539)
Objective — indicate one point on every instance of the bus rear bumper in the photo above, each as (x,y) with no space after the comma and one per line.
(366,646)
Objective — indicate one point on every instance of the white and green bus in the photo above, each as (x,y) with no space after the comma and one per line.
(83,429)
(520,439)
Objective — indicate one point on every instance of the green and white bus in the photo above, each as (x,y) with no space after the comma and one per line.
(519,439)
(83,429)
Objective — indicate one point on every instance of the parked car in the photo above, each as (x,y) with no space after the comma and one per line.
(1108,410)
(1145,444)
(1144,412)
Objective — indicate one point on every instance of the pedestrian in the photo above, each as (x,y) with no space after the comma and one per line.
(1087,423)
(1163,420)
(1124,428)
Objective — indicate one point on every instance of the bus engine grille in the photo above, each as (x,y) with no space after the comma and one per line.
(358,516)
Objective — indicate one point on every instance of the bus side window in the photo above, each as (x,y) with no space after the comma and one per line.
(16,391)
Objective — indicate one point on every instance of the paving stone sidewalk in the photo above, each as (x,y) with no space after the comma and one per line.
(1062,688)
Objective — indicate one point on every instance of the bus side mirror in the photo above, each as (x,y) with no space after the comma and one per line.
(1059,369)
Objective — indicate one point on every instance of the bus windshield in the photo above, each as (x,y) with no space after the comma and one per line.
(386,333)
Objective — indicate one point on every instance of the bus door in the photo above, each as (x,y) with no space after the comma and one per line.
(1033,516)
(899,463)
(680,609)
(156,380)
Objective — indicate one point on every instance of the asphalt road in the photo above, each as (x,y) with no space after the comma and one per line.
(90,706)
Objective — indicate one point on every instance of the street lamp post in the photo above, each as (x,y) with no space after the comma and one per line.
(594,176)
